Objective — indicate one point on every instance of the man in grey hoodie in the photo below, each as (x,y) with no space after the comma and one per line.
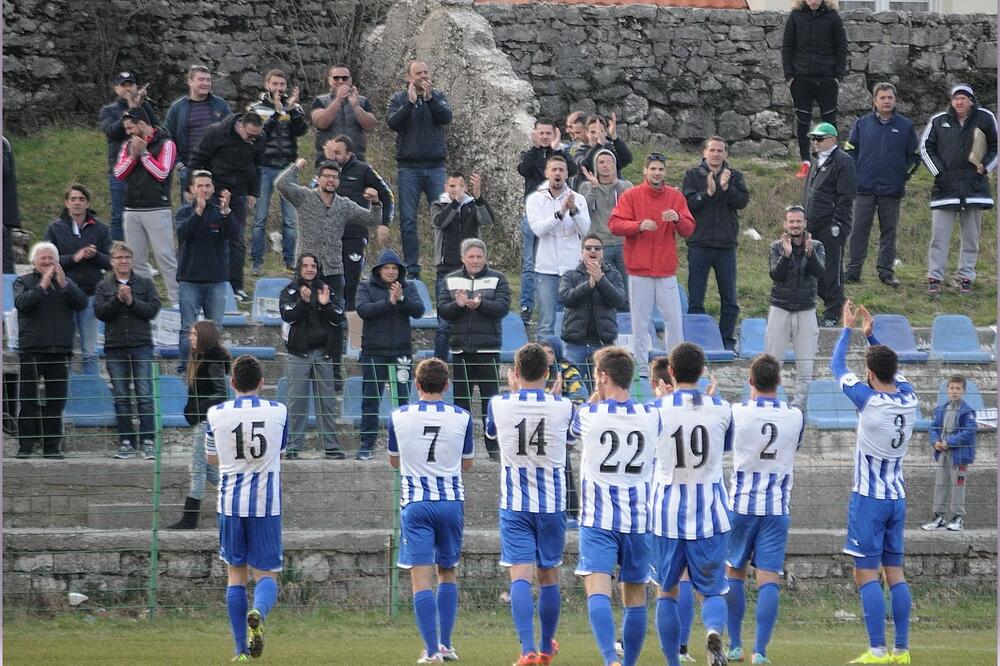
(601,188)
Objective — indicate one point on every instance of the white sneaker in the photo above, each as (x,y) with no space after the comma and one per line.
(425,658)
(956,524)
(936,524)
(687,658)
(447,653)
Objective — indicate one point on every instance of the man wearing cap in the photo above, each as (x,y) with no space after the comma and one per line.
(650,216)
(111,124)
(959,146)
(884,147)
(831,187)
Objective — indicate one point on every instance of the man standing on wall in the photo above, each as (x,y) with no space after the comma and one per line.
(342,111)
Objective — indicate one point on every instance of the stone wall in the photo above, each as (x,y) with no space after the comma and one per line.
(676,75)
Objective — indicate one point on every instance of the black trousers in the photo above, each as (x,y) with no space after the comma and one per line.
(38,421)
(336,284)
(804,94)
(831,285)
(865,207)
(482,370)
(237,246)
(353,247)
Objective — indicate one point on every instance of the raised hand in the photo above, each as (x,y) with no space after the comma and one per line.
(305,293)
(411,93)
(591,178)
(125,294)
(293,99)
(613,126)
(849,314)
(867,320)
(724,179)
(371,195)
(224,198)
(670,215)
(808,246)
(324,294)
(476,181)
(461,298)
(786,245)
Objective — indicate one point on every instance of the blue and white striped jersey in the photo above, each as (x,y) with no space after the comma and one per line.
(619,441)
(689,494)
(767,433)
(532,428)
(248,435)
(431,439)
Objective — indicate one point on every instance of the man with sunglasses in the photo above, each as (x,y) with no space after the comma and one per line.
(342,111)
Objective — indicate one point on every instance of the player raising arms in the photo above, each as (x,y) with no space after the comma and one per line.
(690,505)
(767,434)
(431,444)
(618,437)
(886,412)
(532,428)
(245,437)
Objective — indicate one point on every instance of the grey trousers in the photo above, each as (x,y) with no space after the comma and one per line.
(970,222)
(949,486)
(145,229)
(801,330)
(665,293)
(311,375)
(865,207)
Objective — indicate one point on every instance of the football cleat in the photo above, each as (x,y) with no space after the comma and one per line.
(687,658)
(430,658)
(713,648)
(870,658)
(758,658)
(735,653)
(901,657)
(530,659)
(241,658)
(256,624)
(447,653)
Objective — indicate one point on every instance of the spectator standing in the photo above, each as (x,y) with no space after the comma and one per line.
(284,123)
(127,304)
(11,213)
(951,141)
(232,151)
(45,300)
(953,437)
(129,95)
(603,135)
(650,216)
(831,187)
(189,116)
(602,187)
(883,144)
(814,58)
(84,244)
(342,111)
(576,130)
(418,116)
(145,163)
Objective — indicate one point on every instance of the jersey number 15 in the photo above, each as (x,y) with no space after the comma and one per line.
(258,442)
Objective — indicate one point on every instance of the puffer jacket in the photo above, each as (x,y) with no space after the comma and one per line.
(814,46)
(796,277)
(945,147)
(479,330)
(127,325)
(282,130)
(585,304)
(386,330)
(453,222)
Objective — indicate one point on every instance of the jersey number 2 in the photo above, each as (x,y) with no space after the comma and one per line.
(258,442)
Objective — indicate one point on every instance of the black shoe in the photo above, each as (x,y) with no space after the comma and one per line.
(189,519)
(891,281)
(494,455)
(291,454)
(24,453)
(829,323)
(965,287)
(335,454)
(526,315)
(852,279)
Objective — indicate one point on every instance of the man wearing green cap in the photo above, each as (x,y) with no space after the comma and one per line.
(831,187)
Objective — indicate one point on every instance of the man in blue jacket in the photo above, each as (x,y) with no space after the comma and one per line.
(884,145)
(189,116)
(953,435)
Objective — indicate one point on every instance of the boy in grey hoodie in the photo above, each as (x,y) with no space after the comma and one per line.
(602,187)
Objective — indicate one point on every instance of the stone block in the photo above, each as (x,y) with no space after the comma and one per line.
(733,126)
(885,58)
(33,563)
(744,33)
(934,35)
(187,566)
(314,568)
(863,32)
(86,562)
(697,65)
(986,55)
(954,62)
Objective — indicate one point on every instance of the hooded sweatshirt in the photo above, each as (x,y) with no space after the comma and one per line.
(312,325)
(386,330)
(602,199)
(651,253)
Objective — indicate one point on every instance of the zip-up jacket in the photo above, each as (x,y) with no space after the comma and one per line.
(885,154)
(617,147)
(282,130)
(602,199)
(557,248)
(127,325)
(355,177)
(830,191)
(962,440)
(651,253)
(454,221)
(313,326)
(531,166)
(945,147)
(114,130)
(148,178)
(796,277)
(419,128)
(234,163)
(592,308)
(814,46)
(45,323)
(177,122)
(202,243)
(211,384)
(386,330)
(87,273)
(717,217)
(477,331)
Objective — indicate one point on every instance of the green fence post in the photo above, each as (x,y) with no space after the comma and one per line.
(394,603)
(154,541)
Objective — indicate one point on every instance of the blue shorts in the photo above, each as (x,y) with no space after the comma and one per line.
(254,541)
(760,539)
(532,538)
(875,531)
(705,560)
(601,550)
(432,534)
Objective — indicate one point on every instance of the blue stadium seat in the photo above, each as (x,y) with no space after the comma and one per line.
(265,300)
(168,351)
(954,340)
(625,335)
(173,398)
(282,397)
(703,330)
(429,318)
(89,403)
(894,332)
(753,331)
(233,316)
(514,337)
(260,353)
(8,291)
(352,403)
(827,408)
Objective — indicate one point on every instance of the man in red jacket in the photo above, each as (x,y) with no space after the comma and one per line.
(650,216)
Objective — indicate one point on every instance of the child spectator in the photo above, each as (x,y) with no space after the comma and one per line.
(953,436)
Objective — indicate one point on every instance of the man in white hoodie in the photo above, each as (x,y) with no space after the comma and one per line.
(559,218)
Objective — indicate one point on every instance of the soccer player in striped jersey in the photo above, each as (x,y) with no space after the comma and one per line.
(245,437)
(532,427)
(618,438)
(886,406)
(430,442)
(690,505)
(767,434)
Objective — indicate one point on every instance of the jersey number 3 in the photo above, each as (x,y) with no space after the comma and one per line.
(258,442)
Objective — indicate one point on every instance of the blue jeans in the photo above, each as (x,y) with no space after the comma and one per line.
(86,326)
(582,357)
(197,297)
(413,182)
(132,365)
(615,255)
(375,375)
(201,470)
(547,291)
(527,266)
(117,188)
(723,261)
(288,220)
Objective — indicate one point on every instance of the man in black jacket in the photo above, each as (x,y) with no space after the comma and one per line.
(232,151)
(603,135)
(829,203)
(84,243)
(592,294)
(796,264)
(715,194)
(45,300)
(127,304)
(11,213)
(475,299)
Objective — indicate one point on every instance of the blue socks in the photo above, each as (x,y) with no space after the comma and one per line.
(713,613)
(901,602)
(236,604)
(425,610)
(767,615)
(602,623)
(522,608)
(685,608)
(633,633)
(668,628)
(265,594)
(447,609)
(873,606)
(548,614)
(736,606)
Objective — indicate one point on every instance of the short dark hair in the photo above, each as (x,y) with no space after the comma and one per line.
(252,118)
(595,237)
(197,69)
(765,373)
(339,65)
(883,362)
(545,121)
(199,173)
(575,117)
(597,119)
(456,174)
(432,375)
(344,139)
(617,363)
(246,374)
(327,165)
(82,189)
(715,137)
(531,362)
(136,114)
(659,369)
(957,379)
(555,158)
(275,73)
(688,362)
